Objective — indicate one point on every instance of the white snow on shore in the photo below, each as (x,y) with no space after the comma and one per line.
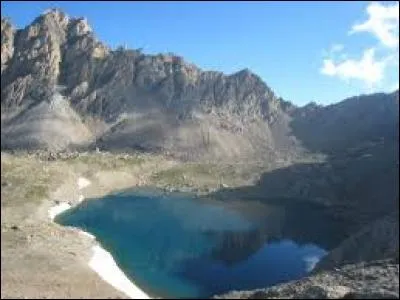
(102,261)
(91,236)
(58,209)
(81,198)
(83,182)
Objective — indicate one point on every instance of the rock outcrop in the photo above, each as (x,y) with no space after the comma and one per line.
(373,280)
(378,240)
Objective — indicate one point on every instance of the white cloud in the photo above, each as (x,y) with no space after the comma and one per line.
(376,61)
(383,23)
(367,68)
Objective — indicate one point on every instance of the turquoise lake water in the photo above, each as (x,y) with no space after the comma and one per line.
(175,245)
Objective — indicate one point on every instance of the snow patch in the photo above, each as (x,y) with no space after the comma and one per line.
(83,182)
(58,209)
(103,264)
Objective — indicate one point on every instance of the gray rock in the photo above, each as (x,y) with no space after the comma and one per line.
(14,227)
(314,292)
(378,240)
(347,282)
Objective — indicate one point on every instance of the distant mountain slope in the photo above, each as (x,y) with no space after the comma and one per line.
(349,123)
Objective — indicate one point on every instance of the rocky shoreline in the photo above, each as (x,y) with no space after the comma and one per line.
(374,280)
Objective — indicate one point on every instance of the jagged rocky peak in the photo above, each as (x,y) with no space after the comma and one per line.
(247,76)
(55,12)
(7,42)
(37,48)
(72,27)
(79,27)
(52,22)
(245,73)
(57,50)
(56,21)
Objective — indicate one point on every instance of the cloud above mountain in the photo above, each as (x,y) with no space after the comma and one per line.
(372,66)
(367,68)
(383,23)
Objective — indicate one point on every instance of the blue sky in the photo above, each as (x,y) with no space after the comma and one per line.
(305,51)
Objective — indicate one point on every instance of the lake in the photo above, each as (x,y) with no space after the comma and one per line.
(178,245)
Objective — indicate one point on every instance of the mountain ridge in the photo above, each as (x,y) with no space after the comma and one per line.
(55,50)
(82,23)
(125,93)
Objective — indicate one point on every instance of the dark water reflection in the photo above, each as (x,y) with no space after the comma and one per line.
(177,245)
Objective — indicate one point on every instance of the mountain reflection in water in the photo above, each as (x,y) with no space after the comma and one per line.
(177,245)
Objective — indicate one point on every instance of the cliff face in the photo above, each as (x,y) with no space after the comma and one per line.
(57,50)
(160,101)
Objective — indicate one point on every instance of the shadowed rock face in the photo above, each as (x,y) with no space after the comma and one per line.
(379,240)
(375,280)
(352,124)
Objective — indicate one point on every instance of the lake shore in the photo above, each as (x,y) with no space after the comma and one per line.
(101,261)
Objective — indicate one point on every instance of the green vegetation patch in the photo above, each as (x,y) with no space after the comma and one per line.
(197,175)
(24,180)
(106,161)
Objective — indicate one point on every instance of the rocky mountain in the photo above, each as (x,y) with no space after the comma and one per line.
(352,123)
(61,88)
(124,99)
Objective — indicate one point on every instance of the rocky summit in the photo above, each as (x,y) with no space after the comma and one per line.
(86,94)
(64,91)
